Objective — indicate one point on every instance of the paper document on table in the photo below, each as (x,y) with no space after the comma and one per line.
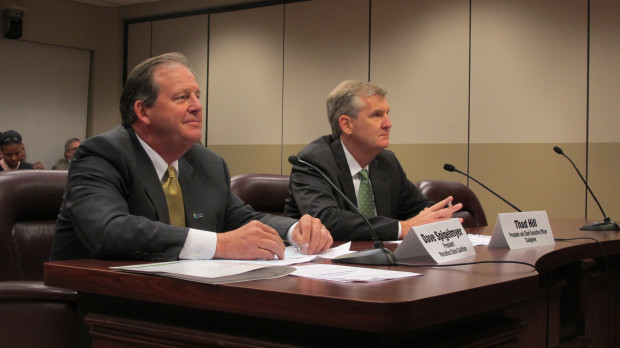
(336,251)
(348,273)
(209,271)
(292,256)
(479,239)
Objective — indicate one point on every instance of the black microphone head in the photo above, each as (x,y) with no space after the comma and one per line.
(558,150)
(449,167)
(292,160)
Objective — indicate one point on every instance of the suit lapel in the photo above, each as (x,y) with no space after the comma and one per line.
(189,185)
(344,173)
(379,181)
(152,184)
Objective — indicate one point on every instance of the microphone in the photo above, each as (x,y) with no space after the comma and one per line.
(451,168)
(606,224)
(379,255)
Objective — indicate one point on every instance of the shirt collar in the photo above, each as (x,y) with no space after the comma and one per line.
(161,167)
(354,167)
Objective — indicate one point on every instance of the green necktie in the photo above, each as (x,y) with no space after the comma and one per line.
(174,198)
(365,199)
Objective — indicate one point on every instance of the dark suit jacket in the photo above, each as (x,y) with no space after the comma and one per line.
(396,198)
(114,205)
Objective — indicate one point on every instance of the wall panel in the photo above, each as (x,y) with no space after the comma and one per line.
(138,43)
(420,53)
(604,136)
(528,68)
(188,35)
(528,93)
(320,51)
(245,83)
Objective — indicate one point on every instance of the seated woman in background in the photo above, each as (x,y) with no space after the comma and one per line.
(11,147)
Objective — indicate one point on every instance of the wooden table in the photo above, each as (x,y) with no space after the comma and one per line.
(477,305)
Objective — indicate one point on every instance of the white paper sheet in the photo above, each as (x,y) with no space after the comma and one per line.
(349,273)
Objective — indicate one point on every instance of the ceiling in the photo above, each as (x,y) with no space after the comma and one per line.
(114,3)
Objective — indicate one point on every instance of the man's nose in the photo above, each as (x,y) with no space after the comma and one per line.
(195,104)
(387,123)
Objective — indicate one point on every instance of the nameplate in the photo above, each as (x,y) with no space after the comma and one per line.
(443,241)
(522,230)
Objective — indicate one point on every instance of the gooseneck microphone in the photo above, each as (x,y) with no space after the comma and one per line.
(606,224)
(451,168)
(379,255)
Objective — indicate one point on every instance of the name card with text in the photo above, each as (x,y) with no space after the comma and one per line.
(443,241)
(522,230)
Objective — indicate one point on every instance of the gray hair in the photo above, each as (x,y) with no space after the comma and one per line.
(140,84)
(69,142)
(346,99)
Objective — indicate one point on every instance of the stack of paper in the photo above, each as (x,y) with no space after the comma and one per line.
(209,271)
(340,273)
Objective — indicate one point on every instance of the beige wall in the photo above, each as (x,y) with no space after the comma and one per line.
(496,110)
(64,23)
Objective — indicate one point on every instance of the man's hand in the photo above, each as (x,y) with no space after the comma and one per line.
(311,235)
(255,240)
(438,212)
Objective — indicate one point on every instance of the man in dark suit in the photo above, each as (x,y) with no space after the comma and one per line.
(358,115)
(123,199)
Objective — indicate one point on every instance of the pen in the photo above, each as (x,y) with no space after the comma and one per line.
(302,249)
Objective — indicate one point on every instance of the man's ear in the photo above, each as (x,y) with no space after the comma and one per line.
(345,124)
(140,109)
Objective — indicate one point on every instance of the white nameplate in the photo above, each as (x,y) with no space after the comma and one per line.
(522,230)
(443,241)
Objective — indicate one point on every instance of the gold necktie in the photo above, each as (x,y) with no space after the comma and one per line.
(174,198)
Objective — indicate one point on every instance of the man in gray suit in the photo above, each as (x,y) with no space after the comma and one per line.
(116,207)
(358,115)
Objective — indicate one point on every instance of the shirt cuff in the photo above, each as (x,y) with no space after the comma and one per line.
(289,233)
(199,245)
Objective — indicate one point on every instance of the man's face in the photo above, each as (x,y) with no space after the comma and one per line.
(69,153)
(371,130)
(11,153)
(176,115)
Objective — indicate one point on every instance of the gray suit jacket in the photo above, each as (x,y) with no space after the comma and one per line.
(396,198)
(114,205)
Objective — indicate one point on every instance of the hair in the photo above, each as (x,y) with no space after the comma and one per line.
(140,84)
(346,99)
(69,142)
(10,137)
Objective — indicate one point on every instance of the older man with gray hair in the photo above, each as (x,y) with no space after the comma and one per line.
(355,158)
(70,146)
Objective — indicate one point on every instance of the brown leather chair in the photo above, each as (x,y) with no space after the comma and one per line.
(264,192)
(31,314)
(472,212)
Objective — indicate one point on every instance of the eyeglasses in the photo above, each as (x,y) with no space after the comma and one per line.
(11,140)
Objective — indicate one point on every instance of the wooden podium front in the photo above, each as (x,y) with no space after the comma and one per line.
(482,305)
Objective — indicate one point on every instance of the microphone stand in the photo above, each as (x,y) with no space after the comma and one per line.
(450,168)
(606,224)
(379,255)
